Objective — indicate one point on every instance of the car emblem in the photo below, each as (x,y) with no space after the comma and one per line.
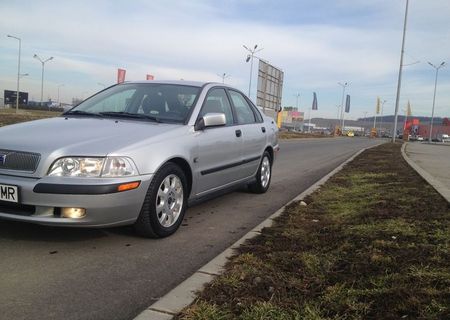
(2,159)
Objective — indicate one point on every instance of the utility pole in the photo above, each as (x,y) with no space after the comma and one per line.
(399,84)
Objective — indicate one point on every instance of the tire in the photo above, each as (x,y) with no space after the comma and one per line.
(263,175)
(164,204)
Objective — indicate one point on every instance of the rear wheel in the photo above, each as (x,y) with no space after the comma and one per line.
(263,176)
(165,203)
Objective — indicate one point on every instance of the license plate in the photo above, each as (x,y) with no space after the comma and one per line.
(9,193)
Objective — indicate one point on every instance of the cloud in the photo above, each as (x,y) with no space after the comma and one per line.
(348,40)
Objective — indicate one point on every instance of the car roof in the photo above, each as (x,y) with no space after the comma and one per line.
(176,82)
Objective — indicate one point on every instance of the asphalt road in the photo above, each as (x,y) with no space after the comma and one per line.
(54,273)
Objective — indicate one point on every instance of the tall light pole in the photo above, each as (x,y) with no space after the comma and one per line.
(381,117)
(42,76)
(343,85)
(399,84)
(364,123)
(434,96)
(18,70)
(250,58)
(59,86)
(224,76)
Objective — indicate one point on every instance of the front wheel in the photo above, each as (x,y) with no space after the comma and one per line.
(165,203)
(263,176)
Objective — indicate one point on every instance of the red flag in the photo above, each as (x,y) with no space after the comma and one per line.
(121,75)
(150,77)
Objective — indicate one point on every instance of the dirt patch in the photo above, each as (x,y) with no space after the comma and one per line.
(372,243)
(9,116)
(300,135)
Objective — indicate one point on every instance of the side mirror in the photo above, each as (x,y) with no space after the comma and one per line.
(211,120)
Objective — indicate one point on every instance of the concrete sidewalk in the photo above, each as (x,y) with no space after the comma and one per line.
(432,162)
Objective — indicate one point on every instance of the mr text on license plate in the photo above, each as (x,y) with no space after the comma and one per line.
(9,193)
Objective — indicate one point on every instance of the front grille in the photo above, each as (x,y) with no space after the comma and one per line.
(19,209)
(18,160)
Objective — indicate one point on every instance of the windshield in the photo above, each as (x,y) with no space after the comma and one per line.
(147,101)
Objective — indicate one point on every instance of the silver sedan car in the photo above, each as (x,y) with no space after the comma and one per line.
(135,153)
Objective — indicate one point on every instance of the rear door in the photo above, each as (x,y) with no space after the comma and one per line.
(253,133)
(218,148)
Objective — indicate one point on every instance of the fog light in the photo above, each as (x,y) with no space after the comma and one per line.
(73,213)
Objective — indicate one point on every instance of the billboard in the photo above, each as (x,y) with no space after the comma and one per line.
(9,97)
(270,86)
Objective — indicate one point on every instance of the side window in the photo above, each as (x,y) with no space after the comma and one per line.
(257,112)
(243,110)
(217,102)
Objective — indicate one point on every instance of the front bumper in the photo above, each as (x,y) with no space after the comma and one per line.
(41,199)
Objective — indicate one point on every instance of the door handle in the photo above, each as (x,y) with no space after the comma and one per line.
(263,129)
(238,133)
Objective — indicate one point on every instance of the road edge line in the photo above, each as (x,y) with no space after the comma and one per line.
(185,293)
(436,184)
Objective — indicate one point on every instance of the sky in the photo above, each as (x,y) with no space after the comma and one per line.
(316,43)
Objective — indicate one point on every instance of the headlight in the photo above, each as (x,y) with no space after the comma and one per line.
(109,167)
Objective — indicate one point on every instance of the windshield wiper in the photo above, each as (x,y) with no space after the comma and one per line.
(81,113)
(122,114)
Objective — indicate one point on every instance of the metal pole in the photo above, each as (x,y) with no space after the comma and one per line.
(342,104)
(42,82)
(381,118)
(399,84)
(404,125)
(42,75)
(434,96)
(18,77)
(250,57)
(309,125)
(18,71)
(364,123)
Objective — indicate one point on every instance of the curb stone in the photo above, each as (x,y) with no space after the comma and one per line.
(185,293)
(436,184)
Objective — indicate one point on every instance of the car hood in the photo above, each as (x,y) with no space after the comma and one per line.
(78,136)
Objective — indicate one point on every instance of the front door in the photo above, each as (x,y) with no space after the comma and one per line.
(218,160)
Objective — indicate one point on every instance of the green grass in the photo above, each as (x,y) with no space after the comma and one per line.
(372,243)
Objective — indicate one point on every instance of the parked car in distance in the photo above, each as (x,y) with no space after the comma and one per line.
(443,138)
(419,138)
(350,134)
(135,153)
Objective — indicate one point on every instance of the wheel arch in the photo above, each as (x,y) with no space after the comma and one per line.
(184,165)
(269,149)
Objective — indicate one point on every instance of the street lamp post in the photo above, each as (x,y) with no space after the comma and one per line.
(434,96)
(59,86)
(364,123)
(250,58)
(223,76)
(18,70)
(343,85)
(399,83)
(297,99)
(381,117)
(42,76)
